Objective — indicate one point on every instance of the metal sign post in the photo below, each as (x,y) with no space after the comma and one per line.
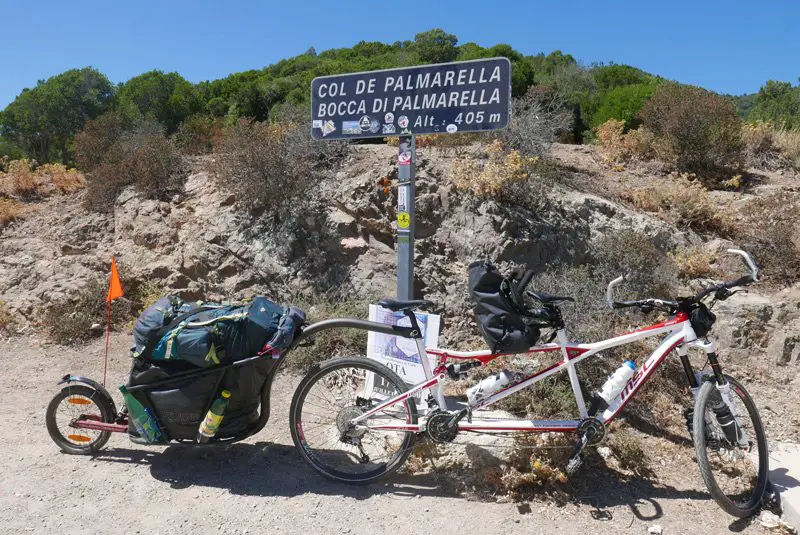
(447,98)
(406,160)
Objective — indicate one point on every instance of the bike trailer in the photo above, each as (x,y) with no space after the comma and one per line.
(188,354)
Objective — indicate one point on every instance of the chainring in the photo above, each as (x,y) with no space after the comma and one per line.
(594,430)
(439,429)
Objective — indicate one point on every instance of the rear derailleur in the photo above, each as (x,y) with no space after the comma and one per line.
(590,431)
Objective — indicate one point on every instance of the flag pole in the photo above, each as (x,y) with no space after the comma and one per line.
(114,292)
(108,337)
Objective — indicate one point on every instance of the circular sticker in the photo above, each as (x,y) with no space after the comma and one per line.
(374,126)
(403,220)
(388,118)
(452,129)
(402,121)
(404,158)
(365,122)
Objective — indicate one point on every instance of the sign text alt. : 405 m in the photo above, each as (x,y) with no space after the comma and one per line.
(465,96)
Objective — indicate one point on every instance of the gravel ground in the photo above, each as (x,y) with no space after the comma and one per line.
(262,486)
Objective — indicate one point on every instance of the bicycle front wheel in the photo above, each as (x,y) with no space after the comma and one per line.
(733,458)
(331,395)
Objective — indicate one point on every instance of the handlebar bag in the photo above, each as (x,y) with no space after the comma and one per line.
(702,319)
(499,319)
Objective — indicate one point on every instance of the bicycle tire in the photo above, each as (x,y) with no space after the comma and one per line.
(85,445)
(317,373)
(702,432)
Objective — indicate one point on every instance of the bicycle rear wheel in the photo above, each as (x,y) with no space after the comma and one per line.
(328,398)
(734,466)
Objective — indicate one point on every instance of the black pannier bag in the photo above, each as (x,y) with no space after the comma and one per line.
(235,333)
(500,318)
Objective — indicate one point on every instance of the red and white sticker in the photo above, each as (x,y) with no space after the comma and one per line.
(402,121)
(404,157)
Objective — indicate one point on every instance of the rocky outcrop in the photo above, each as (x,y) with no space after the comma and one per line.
(200,244)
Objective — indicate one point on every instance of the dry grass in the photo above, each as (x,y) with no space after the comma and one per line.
(617,148)
(788,143)
(24,181)
(63,179)
(693,262)
(22,178)
(9,210)
(629,452)
(489,177)
(684,202)
(768,227)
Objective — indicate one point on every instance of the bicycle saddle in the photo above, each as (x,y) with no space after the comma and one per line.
(547,298)
(397,306)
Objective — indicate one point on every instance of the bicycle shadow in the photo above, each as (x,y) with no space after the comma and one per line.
(261,469)
(269,469)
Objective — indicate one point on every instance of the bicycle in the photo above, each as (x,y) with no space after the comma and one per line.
(354,420)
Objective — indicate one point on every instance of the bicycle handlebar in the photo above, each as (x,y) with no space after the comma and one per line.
(650,304)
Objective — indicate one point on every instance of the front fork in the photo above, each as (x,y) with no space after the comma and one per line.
(726,413)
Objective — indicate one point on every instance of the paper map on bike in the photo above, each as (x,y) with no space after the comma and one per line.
(398,353)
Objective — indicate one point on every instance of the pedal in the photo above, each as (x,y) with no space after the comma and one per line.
(574,465)
(575,461)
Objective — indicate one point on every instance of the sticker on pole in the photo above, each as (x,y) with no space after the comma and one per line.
(403,220)
(404,157)
(464,96)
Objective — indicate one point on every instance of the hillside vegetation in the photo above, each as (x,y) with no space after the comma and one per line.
(42,122)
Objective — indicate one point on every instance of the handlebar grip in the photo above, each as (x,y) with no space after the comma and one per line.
(741,281)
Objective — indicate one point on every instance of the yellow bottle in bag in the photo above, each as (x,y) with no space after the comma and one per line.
(213,418)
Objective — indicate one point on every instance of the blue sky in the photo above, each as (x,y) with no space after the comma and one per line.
(730,47)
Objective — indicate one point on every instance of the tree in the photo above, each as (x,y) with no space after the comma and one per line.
(611,76)
(622,102)
(436,46)
(42,120)
(778,103)
(167,98)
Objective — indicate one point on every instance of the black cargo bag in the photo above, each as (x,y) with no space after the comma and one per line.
(501,321)
(181,404)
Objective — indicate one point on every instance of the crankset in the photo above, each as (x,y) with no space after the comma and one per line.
(591,431)
(442,426)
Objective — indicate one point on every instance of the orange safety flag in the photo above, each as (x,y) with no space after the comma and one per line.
(114,286)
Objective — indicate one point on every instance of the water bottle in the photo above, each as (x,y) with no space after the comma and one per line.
(617,381)
(142,420)
(489,386)
(213,418)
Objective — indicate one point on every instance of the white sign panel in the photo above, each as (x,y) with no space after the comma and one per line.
(398,353)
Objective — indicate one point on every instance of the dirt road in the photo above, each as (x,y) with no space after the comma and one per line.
(261,485)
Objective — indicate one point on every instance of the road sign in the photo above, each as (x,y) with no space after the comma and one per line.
(465,96)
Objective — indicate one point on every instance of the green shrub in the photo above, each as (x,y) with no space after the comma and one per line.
(612,76)
(777,103)
(700,130)
(622,103)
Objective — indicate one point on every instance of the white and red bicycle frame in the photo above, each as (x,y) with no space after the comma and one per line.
(679,336)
